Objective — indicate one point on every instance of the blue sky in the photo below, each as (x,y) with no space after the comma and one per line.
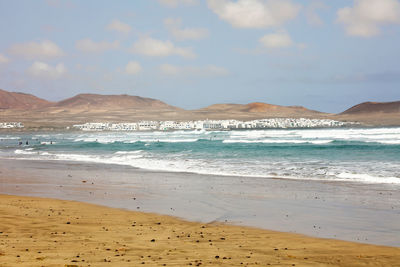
(324,55)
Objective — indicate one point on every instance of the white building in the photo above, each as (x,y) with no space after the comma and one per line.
(274,123)
(148,125)
(10,125)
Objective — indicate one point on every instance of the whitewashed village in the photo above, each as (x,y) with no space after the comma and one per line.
(11,125)
(210,125)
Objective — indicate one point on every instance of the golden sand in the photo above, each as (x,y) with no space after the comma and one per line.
(48,232)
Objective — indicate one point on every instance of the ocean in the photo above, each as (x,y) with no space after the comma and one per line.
(364,155)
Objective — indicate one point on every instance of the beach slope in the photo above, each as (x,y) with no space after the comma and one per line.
(48,232)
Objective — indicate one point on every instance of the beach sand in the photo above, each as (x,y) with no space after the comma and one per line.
(49,232)
(365,213)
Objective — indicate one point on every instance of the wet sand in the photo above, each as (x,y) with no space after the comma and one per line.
(347,211)
(48,232)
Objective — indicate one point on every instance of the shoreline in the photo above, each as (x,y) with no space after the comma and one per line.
(63,129)
(335,210)
(236,176)
(50,232)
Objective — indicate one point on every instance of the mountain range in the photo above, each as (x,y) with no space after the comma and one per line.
(37,112)
(21,101)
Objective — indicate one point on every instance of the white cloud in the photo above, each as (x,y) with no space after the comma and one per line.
(157,48)
(366,16)
(87,45)
(311,12)
(254,13)
(33,50)
(3,59)
(133,67)
(276,40)
(174,27)
(209,70)
(175,3)
(44,70)
(119,26)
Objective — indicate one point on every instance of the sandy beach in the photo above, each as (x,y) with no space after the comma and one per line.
(128,232)
(200,133)
(48,232)
(365,213)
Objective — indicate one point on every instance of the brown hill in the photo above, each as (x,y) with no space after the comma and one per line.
(36,112)
(21,101)
(373,107)
(110,102)
(263,109)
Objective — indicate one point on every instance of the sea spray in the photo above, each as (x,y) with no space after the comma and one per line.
(358,155)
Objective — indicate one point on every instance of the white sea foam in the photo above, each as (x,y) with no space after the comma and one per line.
(48,143)
(188,140)
(7,137)
(362,177)
(24,152)
(312,170)
(390,142)
(249,163)
(136,137)
(128,152)
(316,136)
(278,141)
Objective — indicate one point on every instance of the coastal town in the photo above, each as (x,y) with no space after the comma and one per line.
(11,125)
(275,123)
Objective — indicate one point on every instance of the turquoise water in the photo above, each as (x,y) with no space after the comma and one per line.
(360,155)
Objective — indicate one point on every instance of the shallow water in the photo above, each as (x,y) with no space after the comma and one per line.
(358,155)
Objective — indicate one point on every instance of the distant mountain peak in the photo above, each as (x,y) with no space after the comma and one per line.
(21,101)
(373,107)
(111,102)
(260,108)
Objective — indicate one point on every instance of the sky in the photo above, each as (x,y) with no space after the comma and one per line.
(322,54)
